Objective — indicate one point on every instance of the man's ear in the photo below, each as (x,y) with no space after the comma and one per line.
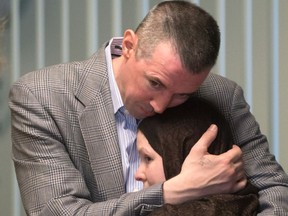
(129,43)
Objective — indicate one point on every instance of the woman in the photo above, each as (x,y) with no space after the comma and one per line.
(164,141)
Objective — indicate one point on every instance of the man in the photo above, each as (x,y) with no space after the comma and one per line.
(74,125)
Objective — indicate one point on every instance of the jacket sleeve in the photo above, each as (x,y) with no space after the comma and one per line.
(49,182)
(260,165)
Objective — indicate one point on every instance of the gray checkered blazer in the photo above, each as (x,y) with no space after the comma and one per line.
(65,146)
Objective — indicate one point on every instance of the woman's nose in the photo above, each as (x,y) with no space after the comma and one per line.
(139,175)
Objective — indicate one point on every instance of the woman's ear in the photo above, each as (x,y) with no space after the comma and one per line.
(129,43)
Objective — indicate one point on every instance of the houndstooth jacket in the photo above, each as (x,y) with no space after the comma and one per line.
(65,146)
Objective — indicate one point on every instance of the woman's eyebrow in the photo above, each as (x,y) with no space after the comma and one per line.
(144,150)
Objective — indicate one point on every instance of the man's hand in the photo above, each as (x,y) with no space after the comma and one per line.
(205,174)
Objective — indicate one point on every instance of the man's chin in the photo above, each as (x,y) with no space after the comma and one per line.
(146,115)
(142,114)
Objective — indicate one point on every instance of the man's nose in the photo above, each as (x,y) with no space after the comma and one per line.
(160,103)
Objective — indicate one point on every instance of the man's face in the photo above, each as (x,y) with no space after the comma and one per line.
(150,170)
(150,85)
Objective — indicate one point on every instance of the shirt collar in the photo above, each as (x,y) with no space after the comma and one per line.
(113,50)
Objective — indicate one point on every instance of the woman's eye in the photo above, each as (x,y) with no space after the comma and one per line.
(147,158)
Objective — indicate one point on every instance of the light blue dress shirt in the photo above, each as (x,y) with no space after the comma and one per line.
(125,123)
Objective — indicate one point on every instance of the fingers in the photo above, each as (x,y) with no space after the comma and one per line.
(206,139)
(240,184)
(200,149)
(226,169)
(235,154)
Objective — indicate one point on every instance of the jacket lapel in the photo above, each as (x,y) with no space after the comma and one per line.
(98,127)
(99,132)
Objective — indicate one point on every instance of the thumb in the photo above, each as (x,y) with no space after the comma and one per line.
(201,147)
